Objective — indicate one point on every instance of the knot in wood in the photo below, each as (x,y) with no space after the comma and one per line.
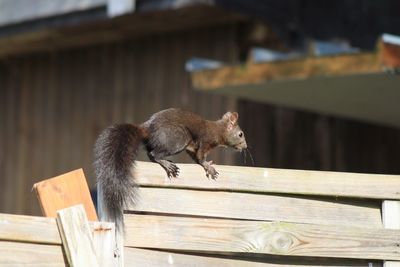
(281,242)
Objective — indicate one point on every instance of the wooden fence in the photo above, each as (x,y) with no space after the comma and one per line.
(247,217)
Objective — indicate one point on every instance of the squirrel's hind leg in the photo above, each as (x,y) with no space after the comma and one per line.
(165,142)
(170,168)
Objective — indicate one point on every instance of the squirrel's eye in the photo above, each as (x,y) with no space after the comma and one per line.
(241,134)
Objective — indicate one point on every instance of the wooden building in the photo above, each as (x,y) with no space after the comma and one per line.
(68,71)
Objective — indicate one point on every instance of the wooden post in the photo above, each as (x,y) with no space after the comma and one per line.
(118,244)
(104,243)
(76,237)
(391,220)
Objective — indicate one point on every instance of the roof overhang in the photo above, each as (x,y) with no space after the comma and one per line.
(75,26)
(362,86)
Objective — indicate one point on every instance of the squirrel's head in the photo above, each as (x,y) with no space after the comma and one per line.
(234,135)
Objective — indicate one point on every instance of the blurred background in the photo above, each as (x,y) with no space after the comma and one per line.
(315,83)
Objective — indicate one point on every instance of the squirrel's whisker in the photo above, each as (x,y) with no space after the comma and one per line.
(251,157)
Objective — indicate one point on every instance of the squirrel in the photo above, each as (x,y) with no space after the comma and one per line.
(166,133)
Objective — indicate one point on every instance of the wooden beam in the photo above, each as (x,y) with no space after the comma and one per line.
(154,258)
(135,25)
(247,206)
(296,69)
(269,180)
(358,86)
(276,238)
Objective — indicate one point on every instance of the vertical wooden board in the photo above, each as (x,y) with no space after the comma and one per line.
(391,220)
(64,191)
(391,214)
(23,142)
(76,237)
(104,243)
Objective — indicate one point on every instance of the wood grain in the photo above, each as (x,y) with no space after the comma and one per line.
(269,180)
(28,254)
(29,229)
(76,236)
(277,238)
(258,207)
(104,243)
(64,191)
(153,258)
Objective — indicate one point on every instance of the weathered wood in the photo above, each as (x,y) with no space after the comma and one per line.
(104,243)
(391,220)
(153,258)
(30,229)
(269,180)
(28,254)
(76,236)
(258,207)
(64,191)
(278,238)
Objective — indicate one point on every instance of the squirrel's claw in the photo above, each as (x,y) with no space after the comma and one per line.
(171,169)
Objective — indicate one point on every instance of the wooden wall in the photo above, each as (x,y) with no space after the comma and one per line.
(53,105)
(286,138)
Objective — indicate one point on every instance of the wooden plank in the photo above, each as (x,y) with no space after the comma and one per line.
(269,180)
(391,220)
(28,254)
(104,243)
(276,238)
(248,206)
(76,236)
(64,191)
(153,258)
(31,229)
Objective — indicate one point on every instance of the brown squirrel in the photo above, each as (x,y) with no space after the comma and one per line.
(166,133)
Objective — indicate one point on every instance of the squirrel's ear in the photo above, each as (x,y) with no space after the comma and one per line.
(231,118)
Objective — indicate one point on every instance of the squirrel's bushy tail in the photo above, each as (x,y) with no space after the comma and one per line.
(114,156)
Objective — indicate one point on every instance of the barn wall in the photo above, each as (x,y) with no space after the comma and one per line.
(287,138)
(54,105)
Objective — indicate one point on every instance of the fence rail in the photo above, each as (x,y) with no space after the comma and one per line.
(249,217)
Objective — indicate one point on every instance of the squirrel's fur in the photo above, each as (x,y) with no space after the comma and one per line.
(166,133)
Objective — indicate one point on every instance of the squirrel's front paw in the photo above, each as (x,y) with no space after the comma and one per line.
(210,171)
